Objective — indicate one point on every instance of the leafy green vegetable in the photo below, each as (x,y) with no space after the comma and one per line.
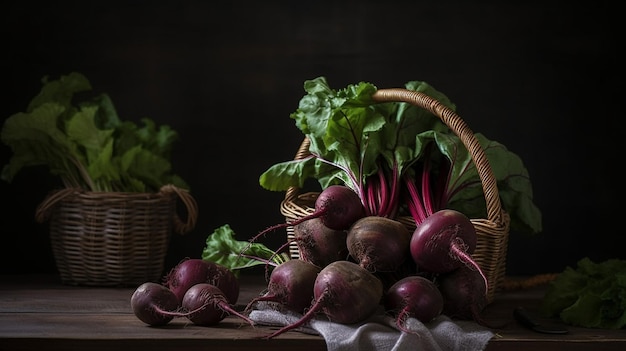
(374,148)
(86,144)
(222,248)
(592,295)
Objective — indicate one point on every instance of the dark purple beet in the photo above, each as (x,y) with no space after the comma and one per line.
(192,271)
(379,244)
(443,242)
(319,244)
(414,296)
(206,305)
(345,292)
(340,205)
(154,304)
(464,294)
(291,285)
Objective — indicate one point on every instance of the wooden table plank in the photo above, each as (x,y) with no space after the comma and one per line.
(512,336)
(42,314)
(38,313)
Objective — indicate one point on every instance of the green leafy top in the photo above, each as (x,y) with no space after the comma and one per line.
(591,295)
(86,144)
(222,248)
(356,141)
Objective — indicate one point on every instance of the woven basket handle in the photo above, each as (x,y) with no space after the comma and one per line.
(42,213)
(456,124)
(191,206)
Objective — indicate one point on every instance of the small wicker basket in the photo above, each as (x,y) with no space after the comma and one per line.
(492,232)
(114,238)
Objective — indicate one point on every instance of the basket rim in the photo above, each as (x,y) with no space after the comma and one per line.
(169,193)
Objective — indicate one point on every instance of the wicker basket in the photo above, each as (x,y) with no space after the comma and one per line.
(114,238)
(493,232)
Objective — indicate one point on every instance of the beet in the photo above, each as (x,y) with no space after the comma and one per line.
(379,244)
(414,296)
(345,292)
(291,285)
(464,294)
(443,242)
(154,304)
(192,271)
(319,244)
(206,305)
(338,206)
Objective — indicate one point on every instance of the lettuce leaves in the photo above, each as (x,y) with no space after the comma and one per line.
(590,295)
(84,142)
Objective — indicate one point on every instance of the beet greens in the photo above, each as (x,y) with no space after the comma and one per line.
(396,155)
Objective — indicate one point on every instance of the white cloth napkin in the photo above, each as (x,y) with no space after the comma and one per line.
(379,332)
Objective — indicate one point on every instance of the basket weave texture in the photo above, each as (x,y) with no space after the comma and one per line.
(114,238)
(492,232)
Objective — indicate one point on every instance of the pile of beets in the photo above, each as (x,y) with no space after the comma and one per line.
(350,265)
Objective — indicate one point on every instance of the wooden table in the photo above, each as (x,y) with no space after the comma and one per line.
(39,313)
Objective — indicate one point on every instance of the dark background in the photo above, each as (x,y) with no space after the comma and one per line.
(543,79)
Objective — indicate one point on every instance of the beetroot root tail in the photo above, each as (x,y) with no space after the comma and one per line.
(305,318)
(259,299)
(403,315)
(467,259)
(227,308)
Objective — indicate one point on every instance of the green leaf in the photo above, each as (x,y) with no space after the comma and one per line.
(222,248)
(60,91)
(283,175)
(81,128)
(352,138)
(593,295)
(36,140)
(103,171)
(106,116)
(145,166)
(513,182)
(86,144)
